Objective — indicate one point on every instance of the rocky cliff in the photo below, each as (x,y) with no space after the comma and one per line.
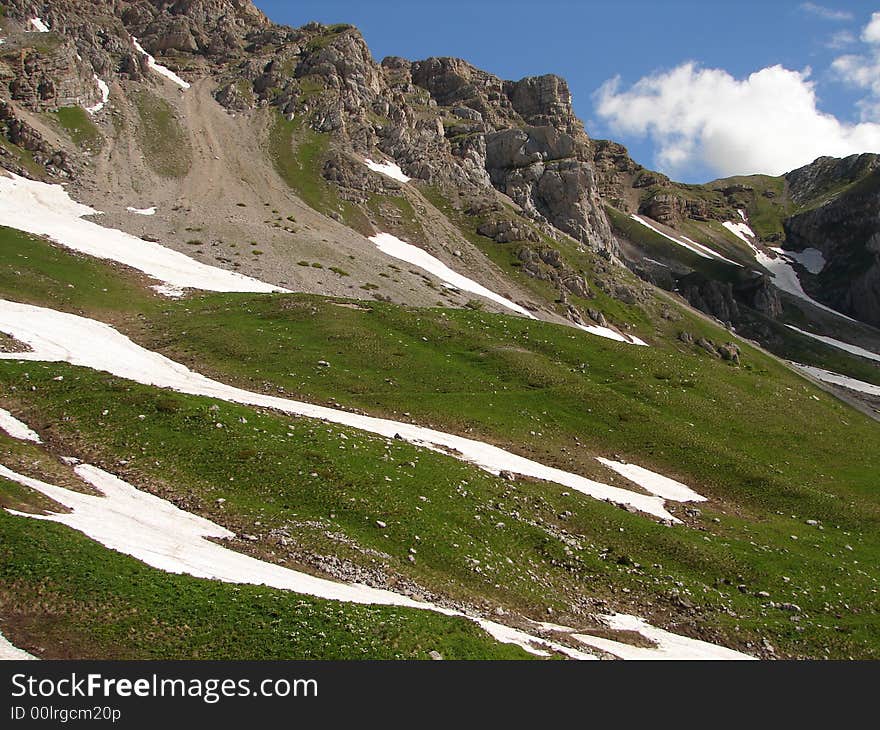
(842,221)
(443,120)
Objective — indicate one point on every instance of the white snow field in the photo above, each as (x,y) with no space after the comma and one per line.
(38,25)
(653,482)
(685,242)
(784,275)
(826,376)
(105,96)
(47,210)
(158,68)
(11,653)
(142,211)
(669,646)
(159,534)
(394,247)
(389,169)
(854,349)
(18,430)
(165,537)
(60,337)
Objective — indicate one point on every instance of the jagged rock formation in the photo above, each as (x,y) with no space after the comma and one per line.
(845,226)
(454,127)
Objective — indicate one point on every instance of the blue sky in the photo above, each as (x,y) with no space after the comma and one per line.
(705,88)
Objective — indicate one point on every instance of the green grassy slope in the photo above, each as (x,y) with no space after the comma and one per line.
(72,598)
(770,450)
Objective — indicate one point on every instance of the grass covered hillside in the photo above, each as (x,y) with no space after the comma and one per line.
(779,562)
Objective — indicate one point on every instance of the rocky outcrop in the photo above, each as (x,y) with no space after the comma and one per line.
(845,228)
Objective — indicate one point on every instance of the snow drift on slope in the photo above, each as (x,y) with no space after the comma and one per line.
(651,481)
(389,169)
(158,68)
(47,210)
(610,334)
(59,337)
(165,537)
(38,25)
(826,376)
(393,246)
(16,428)
(839,344)
(784,275)
(692,246)
(668,646)
(105,96)
(8,652)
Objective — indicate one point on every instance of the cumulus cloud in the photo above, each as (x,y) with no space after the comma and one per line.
(826,13)
(863,70)
(767,123)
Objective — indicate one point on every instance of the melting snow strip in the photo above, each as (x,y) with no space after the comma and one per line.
(394,247)
(11,653)
(389,169)
(47,210)
(692,246)
(165,537)
(105,96)
(826,376)
(610,334)
(158,68)
(17,429)
(668,646)
(60,337)
(854,349)
(655,483)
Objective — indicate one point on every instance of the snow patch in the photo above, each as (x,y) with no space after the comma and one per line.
(105,96)
(610,334)
(668,646)
(826,376)
(158,68)
(741,230)
(394,247)
(61,337)
(785,277)
(165,537)
(142,211)
(854,349)
(685,242)
(655,483)
(17,429)
(812,259)
(783,273)
(38,25)
(47,210)
(389,169)
(11,653)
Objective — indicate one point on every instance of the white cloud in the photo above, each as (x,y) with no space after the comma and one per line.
(863,70)
(871,33)
(767,123)
(840,40)
(826,13)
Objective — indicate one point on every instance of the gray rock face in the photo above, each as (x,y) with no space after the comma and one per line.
(846,229)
